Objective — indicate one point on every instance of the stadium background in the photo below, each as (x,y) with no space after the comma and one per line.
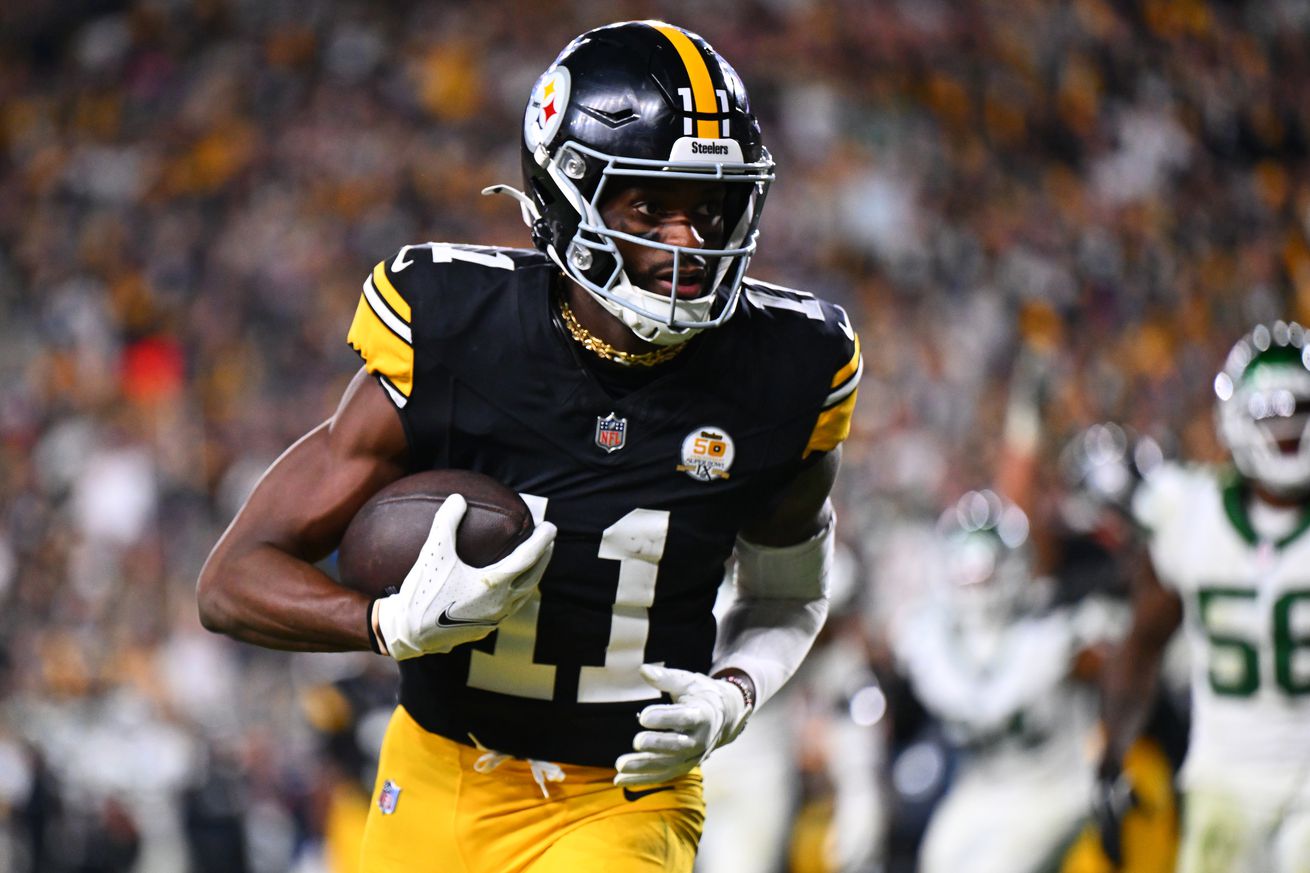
(1040,214)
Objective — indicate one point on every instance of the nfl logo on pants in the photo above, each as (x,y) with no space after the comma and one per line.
(389,797)
(611,432)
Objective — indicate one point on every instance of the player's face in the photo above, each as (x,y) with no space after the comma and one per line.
(1282,417)
(1290,435)
(676,212)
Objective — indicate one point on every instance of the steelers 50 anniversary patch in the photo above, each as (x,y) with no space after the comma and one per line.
(707,454)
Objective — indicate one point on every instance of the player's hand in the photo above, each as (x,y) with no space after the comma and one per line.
(444,602)
(705,713)
(1112,797)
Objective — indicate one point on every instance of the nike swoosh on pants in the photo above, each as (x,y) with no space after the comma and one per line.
(629,794)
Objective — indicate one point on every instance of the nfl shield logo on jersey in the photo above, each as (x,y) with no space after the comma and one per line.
(389,797)
(611,432)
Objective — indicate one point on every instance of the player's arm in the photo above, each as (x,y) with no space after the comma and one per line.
(783,560)
(260,584)
(983,698)
(1133,669)
(783,557)
(1128,686)
(782,600)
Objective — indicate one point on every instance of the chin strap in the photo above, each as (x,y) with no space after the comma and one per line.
(641,327)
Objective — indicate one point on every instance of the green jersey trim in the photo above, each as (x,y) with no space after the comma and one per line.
(1235,492)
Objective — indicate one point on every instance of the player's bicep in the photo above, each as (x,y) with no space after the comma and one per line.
(802,510)
(305,500)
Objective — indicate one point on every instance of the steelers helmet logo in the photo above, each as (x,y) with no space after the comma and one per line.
(546,108)
(707,454)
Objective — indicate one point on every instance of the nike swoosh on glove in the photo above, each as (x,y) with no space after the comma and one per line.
(705,713)
(444,602)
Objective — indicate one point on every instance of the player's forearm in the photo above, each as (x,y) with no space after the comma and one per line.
(1132,672)
(259,584)
(782,603)
(768,638)
(983,696)
(1041,655)
(979,704)
(267,597)
(1128,689)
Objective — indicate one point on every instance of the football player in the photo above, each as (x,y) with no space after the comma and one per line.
(1230,562)
(660,412)
(997,668)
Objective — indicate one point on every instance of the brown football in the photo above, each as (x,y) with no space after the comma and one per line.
(386,535)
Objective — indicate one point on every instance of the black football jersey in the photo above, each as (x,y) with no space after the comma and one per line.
(648,487)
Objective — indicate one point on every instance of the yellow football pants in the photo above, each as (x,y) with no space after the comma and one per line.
(1150,830)
(447,817)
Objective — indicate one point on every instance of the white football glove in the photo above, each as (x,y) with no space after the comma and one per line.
(444,602)
(706,713)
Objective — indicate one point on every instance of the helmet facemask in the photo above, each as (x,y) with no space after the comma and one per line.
(593,259)
(1263,413)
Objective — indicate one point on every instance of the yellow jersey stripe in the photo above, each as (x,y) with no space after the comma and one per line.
(702,88)
(833,426)
(384,353)
(389,293)
(851,366)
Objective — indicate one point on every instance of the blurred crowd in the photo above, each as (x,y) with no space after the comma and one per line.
(1041,214)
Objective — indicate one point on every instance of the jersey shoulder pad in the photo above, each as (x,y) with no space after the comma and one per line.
(439,258)
(406,291)
(823,340)
(1169,492)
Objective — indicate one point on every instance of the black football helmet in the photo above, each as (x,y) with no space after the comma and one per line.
(1104,464)
(649,100)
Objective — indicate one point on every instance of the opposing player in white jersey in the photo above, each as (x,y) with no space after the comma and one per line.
(995,666)
(1230,563)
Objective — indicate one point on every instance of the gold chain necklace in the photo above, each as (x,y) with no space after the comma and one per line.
(598,346)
